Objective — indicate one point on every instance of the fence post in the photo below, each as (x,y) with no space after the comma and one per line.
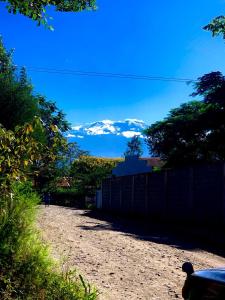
(120,193)
(223,195)
(132,195)
(191,195)
(165,204)
(146,194)
(110,193)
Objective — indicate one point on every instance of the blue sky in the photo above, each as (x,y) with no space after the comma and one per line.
(157,38)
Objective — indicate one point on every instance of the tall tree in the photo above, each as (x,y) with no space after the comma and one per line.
(18,105)
(88,172)
(195,131)
(134,147)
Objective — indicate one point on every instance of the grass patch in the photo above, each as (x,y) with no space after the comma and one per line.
(26,270)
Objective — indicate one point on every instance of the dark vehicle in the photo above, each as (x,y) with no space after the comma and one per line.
(206,284)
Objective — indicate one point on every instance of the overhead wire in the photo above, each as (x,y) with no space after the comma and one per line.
(107,74)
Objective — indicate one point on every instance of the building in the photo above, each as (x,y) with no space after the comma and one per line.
(136,165)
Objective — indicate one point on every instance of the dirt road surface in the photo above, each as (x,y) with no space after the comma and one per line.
(123,259)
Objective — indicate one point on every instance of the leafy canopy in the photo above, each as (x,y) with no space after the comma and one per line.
(217,26)
(195,131)
(36,10)
(89,171)
(20,106)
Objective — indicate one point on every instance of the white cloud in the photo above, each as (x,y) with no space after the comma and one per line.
(77,127)
(70,135)
(130,134)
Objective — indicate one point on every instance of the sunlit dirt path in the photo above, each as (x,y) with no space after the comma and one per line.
(122,260)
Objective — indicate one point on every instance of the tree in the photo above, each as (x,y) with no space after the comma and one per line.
(18,151)
(195,131)
(134,147)
(88,172)
(217,26)
(36,10)
(73,152)
(18,105)
(69,153)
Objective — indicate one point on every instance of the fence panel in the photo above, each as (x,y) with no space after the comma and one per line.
(139,203)
(115,194)
(188,194)
(208,193)
(177,198)
(156,189)
(126,194)
(106,191)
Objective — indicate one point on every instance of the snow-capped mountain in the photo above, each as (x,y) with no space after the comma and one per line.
(127,128)
(107,138)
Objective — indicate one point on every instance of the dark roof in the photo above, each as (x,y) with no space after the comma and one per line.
(153,161)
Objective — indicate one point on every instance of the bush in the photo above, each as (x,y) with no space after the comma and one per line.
(26,271)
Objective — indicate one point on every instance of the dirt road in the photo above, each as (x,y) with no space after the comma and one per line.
(121,258)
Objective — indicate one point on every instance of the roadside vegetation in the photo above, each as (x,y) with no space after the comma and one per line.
(27,271)
(31,148)
(34,155)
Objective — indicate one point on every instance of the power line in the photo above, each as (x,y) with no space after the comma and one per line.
(107,74)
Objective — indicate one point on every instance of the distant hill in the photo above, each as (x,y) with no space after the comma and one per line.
(107,138)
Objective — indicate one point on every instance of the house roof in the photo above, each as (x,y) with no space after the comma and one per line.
(153,161)
(63,182)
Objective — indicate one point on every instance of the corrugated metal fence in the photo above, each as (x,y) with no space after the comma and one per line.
(192,194)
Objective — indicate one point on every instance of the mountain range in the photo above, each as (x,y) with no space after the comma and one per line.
(107,138)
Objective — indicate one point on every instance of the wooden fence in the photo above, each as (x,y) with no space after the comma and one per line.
(193,194)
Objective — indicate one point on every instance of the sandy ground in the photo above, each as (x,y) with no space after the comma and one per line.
(122,258)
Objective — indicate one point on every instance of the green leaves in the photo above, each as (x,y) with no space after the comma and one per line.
(194,131)
(36,10)
(217,26)
(88,172)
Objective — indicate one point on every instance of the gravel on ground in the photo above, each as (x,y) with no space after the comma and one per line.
(121,258)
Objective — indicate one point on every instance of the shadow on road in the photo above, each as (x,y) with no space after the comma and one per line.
(181,237)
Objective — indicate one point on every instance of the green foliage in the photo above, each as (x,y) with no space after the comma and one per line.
(88,172)
(6,66)
(18,105)
(36,10)
(134,147)
(54,125)
(51,116)
(217,26)
(22,156)
(66,157)
(73,152)
(18,151)
(27,272)
(193,132)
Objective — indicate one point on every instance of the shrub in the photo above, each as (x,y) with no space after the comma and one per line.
(26,271)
